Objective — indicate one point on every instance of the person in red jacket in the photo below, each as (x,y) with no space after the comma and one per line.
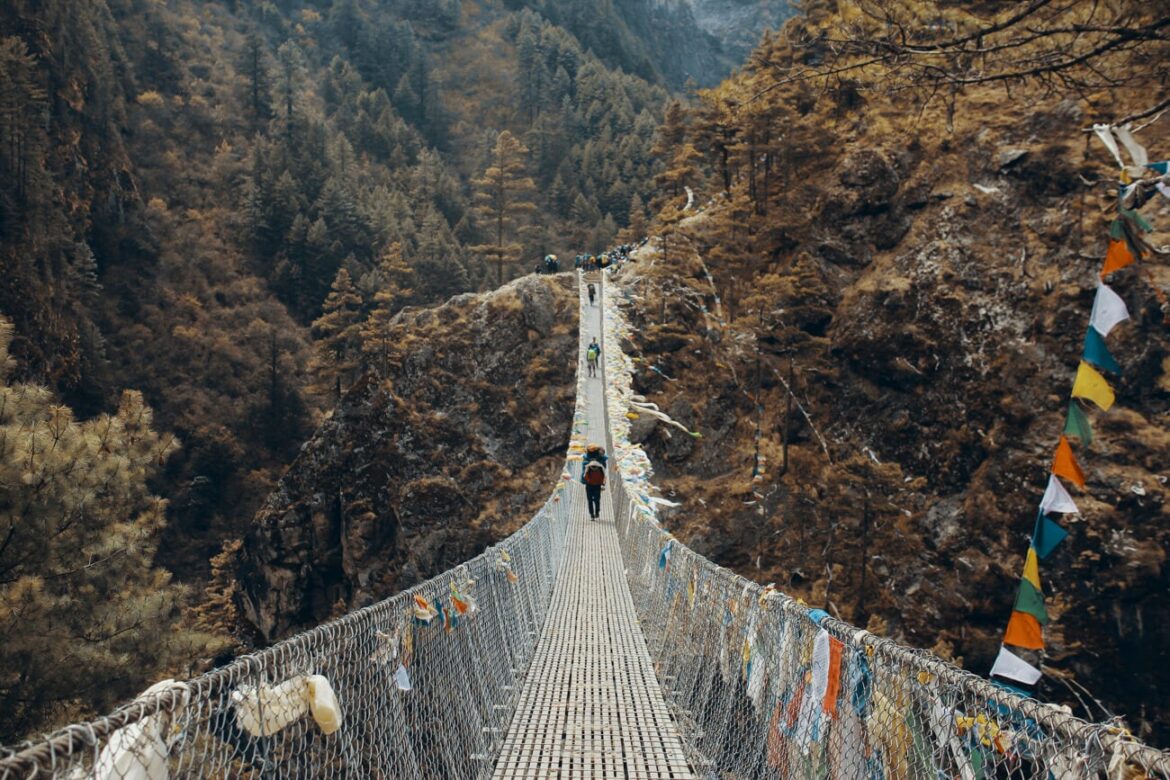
(593,477)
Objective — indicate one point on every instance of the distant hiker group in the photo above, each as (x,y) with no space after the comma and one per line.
(616,256)
(549,265)
(592,354)
(593,478)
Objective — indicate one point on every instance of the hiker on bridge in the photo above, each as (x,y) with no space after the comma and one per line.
(592,353)
(592,294)
(593,477)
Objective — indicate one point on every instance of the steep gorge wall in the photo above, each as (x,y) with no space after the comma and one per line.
(932,294)
(455,447)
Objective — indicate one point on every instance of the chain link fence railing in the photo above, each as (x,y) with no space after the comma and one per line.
(421,685)
(764,687)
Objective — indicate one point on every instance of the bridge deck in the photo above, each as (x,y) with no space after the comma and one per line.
(591,706)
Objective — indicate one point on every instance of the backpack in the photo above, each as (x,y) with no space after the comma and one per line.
(594,473)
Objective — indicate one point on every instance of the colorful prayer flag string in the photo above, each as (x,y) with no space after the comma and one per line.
(1126,247)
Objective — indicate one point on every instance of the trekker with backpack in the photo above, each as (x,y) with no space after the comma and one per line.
(592,353)
(593,477)
(592,293)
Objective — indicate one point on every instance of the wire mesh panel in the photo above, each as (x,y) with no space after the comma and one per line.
(764,687)
(417,686)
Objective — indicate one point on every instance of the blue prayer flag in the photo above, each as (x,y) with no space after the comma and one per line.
(1047,535)
(1097,353)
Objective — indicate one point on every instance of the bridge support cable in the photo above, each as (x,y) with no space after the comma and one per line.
(763,687)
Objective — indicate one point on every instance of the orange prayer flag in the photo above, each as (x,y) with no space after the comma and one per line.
(1023,630)
(1065,464)
(1116,257)
(829,703)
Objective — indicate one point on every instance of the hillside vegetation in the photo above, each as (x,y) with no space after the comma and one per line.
(222,205)
(876,321)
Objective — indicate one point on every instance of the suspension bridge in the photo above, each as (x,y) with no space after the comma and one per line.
(581,649)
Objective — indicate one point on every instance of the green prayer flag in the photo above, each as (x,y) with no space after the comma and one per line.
(1116,230)
(1031,601)
(1078,424)
(1138,219)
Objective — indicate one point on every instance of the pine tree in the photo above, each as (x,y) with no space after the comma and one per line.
(254,66)
(338,335)
(636,228)
(503,201)
(85,618)
(398,281)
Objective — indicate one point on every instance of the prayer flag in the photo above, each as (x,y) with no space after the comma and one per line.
(664,557)
(1030,600)
(1009,665)
(829,703)
(1135,216)
(1046,536)
(423,611)
(1097,353)
(1105,133)
(1162,168)
(1032,569)
(1057,499)
(1077,424)
(1137,152)
(1065,464)
(1117,256)
(1023,630)
(402,679)
(1091,385)
(1108,310)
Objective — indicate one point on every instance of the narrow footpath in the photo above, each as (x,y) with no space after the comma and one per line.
(591,706)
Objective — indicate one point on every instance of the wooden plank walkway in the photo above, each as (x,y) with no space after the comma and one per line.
(591,706)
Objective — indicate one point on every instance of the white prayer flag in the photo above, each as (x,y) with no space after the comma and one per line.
(1108,310)
(1137,152)
(402,678)
(1009,665)
(1105,133)
(1057,499)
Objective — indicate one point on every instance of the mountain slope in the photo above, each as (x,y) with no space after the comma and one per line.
(922,279)
(455,447)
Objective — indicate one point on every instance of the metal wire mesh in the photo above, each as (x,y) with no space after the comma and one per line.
(763,687)
(417,686)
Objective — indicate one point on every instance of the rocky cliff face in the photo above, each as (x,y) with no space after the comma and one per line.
(932,296)
(453,448)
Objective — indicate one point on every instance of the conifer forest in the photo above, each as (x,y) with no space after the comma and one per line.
(276,341)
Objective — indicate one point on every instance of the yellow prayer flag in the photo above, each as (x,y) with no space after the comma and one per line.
(1091,385)
(1032,569)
